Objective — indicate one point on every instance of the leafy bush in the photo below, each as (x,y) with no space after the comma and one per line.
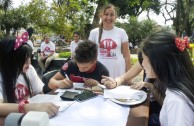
(133,60)
(64,54)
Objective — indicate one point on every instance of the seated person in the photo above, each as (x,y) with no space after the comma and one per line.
(47,53)
(84,68)
(18,78)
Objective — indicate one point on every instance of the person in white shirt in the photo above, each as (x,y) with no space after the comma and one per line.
(47,53)
(165,58)
(74,43)
(18,79)
(113,43)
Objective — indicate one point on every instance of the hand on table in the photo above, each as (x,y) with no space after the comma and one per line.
(48,107)
(65,83)
(109,82)
(88,82)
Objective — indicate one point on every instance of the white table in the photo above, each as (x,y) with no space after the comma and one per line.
(94,112)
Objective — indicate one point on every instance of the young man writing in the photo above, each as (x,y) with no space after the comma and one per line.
(84,68)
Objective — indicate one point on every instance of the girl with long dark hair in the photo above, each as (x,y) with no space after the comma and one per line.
(165,58)
(18,79)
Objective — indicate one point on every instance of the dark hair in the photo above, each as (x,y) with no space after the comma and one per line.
(86,51)
(30,31)
(45,36)
(160,89)
(77,33)
(173,68)
(102,11)
(11,65)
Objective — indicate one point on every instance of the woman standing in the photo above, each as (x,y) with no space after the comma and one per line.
(113,43)
(74,43)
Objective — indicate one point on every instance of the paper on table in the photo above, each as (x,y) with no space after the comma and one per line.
(123,92)
(93,112)
(75,85)
(40,98)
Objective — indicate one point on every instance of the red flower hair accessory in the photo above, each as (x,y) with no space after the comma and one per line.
(20,40)
(182,43)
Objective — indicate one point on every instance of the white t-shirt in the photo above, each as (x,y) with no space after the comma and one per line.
(109,51)
(47,49)
(175,112)
(22,90)
(73,45)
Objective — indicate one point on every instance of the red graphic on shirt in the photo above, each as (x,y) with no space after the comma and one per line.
(76,78)
(47,49)
(107,44)
(65,66)
(21,91)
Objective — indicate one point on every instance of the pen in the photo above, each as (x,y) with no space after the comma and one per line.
(88,89)
(67,76)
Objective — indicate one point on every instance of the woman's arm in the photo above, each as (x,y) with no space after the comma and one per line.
(133,72)
(112,83)
(6,108)
(126,54)
(50,108)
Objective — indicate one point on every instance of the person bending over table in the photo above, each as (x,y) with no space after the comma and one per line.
(84,68)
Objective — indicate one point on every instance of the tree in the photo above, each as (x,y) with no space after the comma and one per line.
(138,30)
(13,19)
(39,15)
(181,13)
(5,4)
(182,22)
(128,7)
(135,7)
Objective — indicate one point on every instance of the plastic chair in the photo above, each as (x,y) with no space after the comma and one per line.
(46,78)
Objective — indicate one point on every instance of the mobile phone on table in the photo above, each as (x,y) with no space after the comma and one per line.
(85,95)
(68,96)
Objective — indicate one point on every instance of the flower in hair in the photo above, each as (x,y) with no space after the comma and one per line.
(182,43)
(20,40)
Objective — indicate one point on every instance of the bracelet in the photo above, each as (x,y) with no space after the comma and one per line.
(21,106)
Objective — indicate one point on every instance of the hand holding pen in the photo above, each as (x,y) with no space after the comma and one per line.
(65,83)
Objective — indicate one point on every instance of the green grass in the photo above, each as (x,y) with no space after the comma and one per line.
(64,54)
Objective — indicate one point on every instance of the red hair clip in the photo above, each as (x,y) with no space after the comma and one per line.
(182,43)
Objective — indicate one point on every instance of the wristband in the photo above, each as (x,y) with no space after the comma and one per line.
(21,106)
